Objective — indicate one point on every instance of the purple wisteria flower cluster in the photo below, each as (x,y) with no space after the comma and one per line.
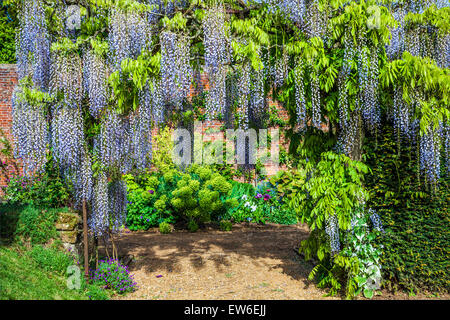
(113,275)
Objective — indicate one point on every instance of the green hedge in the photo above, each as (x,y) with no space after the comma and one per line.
(417,239)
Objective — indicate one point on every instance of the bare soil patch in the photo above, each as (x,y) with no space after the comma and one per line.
(250,262)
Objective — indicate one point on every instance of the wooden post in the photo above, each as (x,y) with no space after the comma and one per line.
(85,239)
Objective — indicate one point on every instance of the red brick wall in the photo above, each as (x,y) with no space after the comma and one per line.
(8,80)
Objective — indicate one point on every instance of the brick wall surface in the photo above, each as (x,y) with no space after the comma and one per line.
(8,80)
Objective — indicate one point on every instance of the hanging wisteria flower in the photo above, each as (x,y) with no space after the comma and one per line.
(376,220)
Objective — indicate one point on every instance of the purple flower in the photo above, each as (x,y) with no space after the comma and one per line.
(151,191)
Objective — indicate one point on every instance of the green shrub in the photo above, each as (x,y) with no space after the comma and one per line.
(9,215)
(36,225)
(192,226)
(225,225)
(50,259)
(147,197)
(45,190)
(416,220)
(200,194)
(165,228)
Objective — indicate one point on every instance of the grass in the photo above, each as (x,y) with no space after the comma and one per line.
(23,278)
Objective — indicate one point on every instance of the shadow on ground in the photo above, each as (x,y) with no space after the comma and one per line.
(267,246)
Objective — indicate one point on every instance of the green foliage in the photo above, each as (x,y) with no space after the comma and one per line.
(200,194)
(225,225)
(36,226)
(50,259)
(260,205)
(165,228)
(45,190)
(360,243)
(21,278)
(416,219)
(333,187)
(162,156)
(95,292)
(192,226)
(8,24)
(147,198)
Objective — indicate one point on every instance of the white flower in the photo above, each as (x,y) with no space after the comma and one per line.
(254,208)
(247,204)
(244,197)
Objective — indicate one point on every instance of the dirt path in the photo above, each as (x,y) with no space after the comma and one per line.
(250,262)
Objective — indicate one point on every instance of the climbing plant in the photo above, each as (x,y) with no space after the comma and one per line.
(97,77)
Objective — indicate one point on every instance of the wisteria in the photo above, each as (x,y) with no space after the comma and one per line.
(99,219)
(316,21)
(315,99)
(66,77)
(30,130)
(94,76)
(369,87)
(295,10)
(430,155)
(244,91)
(215,39)
(281,69)
(93,144)
(117,195)
(396,45)
(300,99)
(119,39)
(115,142)
(33,44)
(67,137)
(332,230)
(257,103)
(376,220)
(83,181)
(141,138)
(176,72)
(215,101)
(401,112)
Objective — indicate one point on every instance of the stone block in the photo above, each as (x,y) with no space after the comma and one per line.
(68,236)
(67,221)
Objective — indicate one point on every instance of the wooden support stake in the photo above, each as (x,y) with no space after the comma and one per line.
(85,236)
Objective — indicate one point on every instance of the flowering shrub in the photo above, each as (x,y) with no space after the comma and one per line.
(112,275)
(260,205)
